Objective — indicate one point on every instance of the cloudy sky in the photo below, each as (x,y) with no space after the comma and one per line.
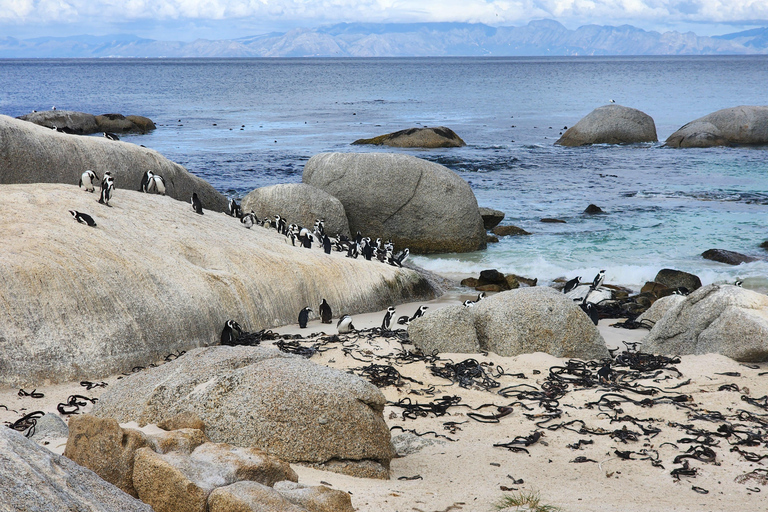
(223,19)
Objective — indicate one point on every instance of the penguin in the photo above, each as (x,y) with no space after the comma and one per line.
(400,258)
(739,282)
(403,320)
(325,312)
(145,181)
(590,310)
(387,321)
(82,218)
(468,303)
(598,281)
(111,136)
(326,244)
(197,206)
(604,373)
(107,188)
(88,180)
(248,220)
(230,333)
(233,209)
(419,313)
(353,250)
(304,317)
(280,225)
(344,325)
(305,237)
(573,283)
(480,296)
(156,185)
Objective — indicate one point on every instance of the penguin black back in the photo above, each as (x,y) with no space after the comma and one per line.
(197,205)
(573,283)
(326,315)
(230,333)
(304,317)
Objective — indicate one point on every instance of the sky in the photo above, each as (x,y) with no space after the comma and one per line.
(186,20)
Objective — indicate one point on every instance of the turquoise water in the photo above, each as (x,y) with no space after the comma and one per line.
(246,123)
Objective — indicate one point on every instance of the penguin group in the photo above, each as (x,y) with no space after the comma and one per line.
(344,325)
(152,183)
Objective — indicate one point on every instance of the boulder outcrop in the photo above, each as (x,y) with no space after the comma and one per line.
(80,123)
(34,478)
(33,154)
(521,321)
(611,124)
(727,257)
(289,407)
(153,278)
(722,319)
(417,204)
(677,279)
(439,137)
(118,123)
(743,125)
(491,217)
(298,203)
(657,311)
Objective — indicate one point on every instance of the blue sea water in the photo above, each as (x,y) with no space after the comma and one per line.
(247,123)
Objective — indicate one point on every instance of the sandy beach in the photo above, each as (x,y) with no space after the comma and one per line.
(454,464)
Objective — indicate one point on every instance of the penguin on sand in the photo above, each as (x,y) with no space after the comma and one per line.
(325,312)
(82,218)
(304,317)
(197,205)
(387,321)
(88,181)
(344,325)
(230,333)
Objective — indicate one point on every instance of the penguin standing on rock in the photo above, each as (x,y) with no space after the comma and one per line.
(325,312)
(156,185)
(304,317)
(107,188)
(590,309)
(573,283)
(387,321)
(230,333)
(248,220)
(326,244)
(598,281)
(197,205)
(88,181)
(233,209)
(344,325)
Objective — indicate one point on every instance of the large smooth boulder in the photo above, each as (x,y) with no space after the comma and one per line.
(611,124)
(727,257)
(153,278)
(722,319)
(34,478)
(736,125)
(439,137)
(118,123)
(78,123)
(521,321)
(677,279)
(33,154)
(288,406)
(417,204)
(298,203)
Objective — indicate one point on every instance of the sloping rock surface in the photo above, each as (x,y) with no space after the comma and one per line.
(737,125)
(611,124)
(34,479)
(418,204)
(298,203)
(287,406)
(78,123)
(439,137)
(153,278)
(721,319)
(33,154)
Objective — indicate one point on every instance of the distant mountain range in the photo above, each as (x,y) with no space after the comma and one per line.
(537,38)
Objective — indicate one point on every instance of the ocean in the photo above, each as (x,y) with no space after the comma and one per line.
(247,123)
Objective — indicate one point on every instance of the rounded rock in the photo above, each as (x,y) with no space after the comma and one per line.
(611,124)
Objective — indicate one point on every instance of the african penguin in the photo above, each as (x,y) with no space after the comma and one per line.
(387,321)
(248,220)
(230,332)
(480,296)
(598,281)
(326,244)
(233,209)
(107,188)
(590,309)
(400,258)
(573,283)
(197,206)
(468,303)
(82,218)
(145,181)
(111,136)
(304,317)
(325,312)
(344,325)
(156,185)
(419,312)
(88,181)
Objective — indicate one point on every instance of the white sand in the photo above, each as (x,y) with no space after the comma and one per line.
(469,473)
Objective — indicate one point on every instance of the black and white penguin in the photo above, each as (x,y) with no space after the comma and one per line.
(248,220)
(400,258)
(305,237)
(739,282)
(480,296)
(353,250)
(88,181)
(590,309)
(598,281)
(468,303)
(156,185)
(82,218)
(344,325)
(419,313)
(197,205)
(233,209)
(573,283)
(145,181)
(304,317)
(403,320)
(325,312)
(107,188)
(387,321)
(280,225)
(111,136)
(230,333)
(327,244)
(320,228)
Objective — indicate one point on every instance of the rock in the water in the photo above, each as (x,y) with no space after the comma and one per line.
(728,257)
(593,209)
(509,231)
(611,124)
(298,203)
(296,410)
(764,245)
(510,323)
(659,308)
(33,154)
(154,278)
(78,123)
(736,125)
(417,204)
(491,217)
(315,498)
(440,137)
(552,221)
(722,319)
(678,279)
(34,479)
(118,123)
